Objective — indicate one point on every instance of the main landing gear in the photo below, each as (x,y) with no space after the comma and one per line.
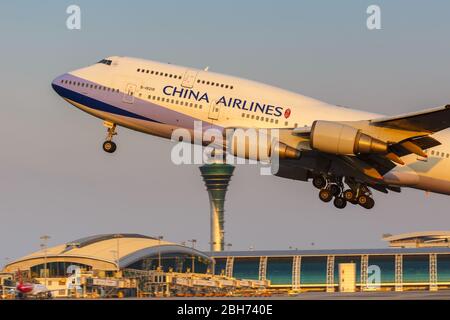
(109,146)
(334,188)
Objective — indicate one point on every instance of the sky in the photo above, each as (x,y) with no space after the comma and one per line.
(56,180)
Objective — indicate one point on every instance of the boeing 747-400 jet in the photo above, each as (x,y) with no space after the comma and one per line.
(346,153)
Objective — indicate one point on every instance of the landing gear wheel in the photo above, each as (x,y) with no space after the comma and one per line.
(366,201)
(319,182)
(325,195)
(370,203)
(349,195)
(335,190)
(109,146)
(340,202)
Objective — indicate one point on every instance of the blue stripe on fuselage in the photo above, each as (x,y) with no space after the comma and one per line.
(96,104)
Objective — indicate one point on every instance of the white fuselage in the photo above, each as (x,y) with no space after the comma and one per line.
(157,98)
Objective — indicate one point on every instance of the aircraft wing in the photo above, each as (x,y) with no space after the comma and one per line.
(403,134)
(429,120)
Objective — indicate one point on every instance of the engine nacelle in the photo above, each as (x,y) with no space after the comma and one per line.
(256,145)
(337,138)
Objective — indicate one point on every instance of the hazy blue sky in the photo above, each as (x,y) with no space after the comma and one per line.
(56,180)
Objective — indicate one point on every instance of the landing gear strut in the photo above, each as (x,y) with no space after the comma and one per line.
(109,146)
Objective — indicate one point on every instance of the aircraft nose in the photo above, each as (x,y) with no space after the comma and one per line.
(58,83)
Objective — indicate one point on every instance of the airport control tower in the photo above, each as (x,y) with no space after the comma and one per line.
(217,176)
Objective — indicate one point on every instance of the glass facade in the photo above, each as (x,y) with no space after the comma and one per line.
(220,265)
(443,267)
(313,270)
(246,268)
(173,262)
(416,268)
(386,265)
(55,269)
(279,270)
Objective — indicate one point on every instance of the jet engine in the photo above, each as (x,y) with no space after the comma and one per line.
(338,138)
(258,145)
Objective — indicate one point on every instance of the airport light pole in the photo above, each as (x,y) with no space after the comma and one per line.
(229,246)
(6,262)
(45,239)
(193,242)
(159,252)
(115,255)
(118,236)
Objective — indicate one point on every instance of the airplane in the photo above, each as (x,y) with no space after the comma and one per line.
(29,289)
(346,153)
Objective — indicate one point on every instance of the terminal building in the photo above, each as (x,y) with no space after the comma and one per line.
(405,267)
(109,253)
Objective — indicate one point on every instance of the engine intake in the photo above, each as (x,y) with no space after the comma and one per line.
(337,138)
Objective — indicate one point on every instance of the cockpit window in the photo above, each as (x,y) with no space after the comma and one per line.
(107,62)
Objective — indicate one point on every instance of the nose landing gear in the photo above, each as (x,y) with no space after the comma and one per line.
(110,146)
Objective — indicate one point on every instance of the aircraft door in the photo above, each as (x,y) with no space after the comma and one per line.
(129,94)
(214,111)
(189,79)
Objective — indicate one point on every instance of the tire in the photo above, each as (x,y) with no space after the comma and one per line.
(325,195)
(335,190)
(319,182)
(370,203)
(340,202)
(109,146)
(362,200)
(349,195)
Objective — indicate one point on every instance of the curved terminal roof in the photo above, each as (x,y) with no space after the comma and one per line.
(420,239)
(103,251)
(420,234)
